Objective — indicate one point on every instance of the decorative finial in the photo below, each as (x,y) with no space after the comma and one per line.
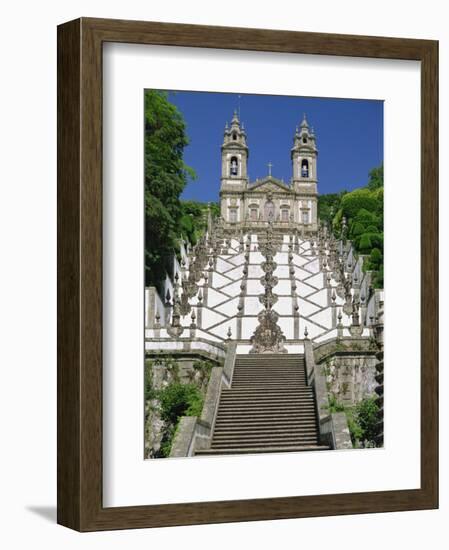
(306,333)
(229,333)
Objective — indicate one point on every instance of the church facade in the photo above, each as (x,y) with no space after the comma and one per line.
(246,204)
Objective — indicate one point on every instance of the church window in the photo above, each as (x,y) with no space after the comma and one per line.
(304,139)
(305,216)
(233,215)
(284,215)
(234,166)
(253,214)
(305,168)
(234,136)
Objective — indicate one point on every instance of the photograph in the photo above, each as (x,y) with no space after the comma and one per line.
(264,274)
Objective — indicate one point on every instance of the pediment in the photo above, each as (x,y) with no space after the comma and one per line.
(269,184)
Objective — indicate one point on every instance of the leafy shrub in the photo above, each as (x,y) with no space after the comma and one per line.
(372,229)
(366,413)
(178,400)
(334,405)
(357,229)
(375,257)
(365,217)
(378,280)
(353,202)
(355,429)
(365,244)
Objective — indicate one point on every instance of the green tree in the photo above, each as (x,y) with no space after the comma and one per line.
(356,200)
(376,178)
(166,175)
(365,244)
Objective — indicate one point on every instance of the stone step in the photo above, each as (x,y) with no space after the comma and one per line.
(271,380)
(265,398)
(269,362)
(271,416)
(242,442)
(272,403)
(255,450)
(260,401)
(265,391)
(263,422)
(245,413)
(268,376)
(251,433)
(269,384)
(268,389)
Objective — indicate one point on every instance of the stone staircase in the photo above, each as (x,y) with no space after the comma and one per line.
(269,408)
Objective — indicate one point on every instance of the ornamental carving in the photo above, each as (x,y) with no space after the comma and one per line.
(268,337)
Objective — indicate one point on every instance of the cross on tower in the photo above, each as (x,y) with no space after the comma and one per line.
(269,168)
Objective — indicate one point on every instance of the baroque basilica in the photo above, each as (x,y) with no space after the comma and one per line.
(254,204)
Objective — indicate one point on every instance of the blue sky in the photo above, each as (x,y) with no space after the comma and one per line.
(349,137)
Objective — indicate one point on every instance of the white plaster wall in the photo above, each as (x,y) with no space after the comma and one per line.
(252,305)
(286,327)
(215,297)
(323,318)
(218,280)
(319,297)
(283,306)
(249,325)
(228,308)
(255,271)
(211,317)
(284,286)
(253,286)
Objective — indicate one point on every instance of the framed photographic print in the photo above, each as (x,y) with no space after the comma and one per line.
(247,289)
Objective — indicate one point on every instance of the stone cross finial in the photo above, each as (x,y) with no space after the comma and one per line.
(270,165)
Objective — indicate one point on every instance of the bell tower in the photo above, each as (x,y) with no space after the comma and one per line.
(304,158)
(234,171)
(304,155)
(234,157)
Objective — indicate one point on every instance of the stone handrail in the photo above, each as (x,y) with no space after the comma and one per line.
(333,427)
(195,433)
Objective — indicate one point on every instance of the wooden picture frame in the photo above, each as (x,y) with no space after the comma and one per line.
(80,504)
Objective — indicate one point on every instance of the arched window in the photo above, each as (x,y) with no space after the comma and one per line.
(305,216)
(234,136)
(233,215)
(234,166)
(305,168)
(253,214)
(304,139)
(284,215)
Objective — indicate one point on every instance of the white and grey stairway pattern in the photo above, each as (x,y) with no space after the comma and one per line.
(312,299)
